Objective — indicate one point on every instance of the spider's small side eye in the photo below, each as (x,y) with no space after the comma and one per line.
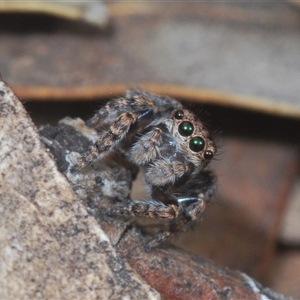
(197,144)
(179,114)
(208,155)
(186,128)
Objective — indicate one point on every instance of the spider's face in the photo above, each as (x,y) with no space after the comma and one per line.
(192,138)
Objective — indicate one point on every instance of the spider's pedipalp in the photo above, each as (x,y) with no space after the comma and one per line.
(165,171)
(146,148)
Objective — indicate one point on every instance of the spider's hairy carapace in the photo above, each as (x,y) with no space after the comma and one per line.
(171,144)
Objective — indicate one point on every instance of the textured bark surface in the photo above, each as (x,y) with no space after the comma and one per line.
(178,275)
(51,247)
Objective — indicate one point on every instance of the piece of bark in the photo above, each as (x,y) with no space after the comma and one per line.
(51,247)
(179,275)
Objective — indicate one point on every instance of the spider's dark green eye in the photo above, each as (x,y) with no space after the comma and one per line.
(197,144)
(186,128)
(208,155)
(179,114)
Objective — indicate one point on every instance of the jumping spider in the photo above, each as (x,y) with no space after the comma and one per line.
(171,144)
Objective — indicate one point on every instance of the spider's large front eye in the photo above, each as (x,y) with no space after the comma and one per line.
(197,144)
(179,114)
(186,128)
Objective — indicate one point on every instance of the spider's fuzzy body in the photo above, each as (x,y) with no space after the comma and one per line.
(173,146)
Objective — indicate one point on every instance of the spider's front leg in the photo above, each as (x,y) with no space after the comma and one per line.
(160,176)
(181,215)
(135,101)
(191,209)
(149,208)
(198,190)
(108,139)
(118,115)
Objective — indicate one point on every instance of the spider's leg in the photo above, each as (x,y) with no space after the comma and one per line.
(159,101)
(183,222)
(116,107)
(159,174)
(108,139)
(191,208)
(111,107)
(185,210)
(150,208)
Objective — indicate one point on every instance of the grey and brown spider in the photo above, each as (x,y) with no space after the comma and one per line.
(172,145)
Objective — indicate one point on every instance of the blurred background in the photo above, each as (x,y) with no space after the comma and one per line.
(237,62)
